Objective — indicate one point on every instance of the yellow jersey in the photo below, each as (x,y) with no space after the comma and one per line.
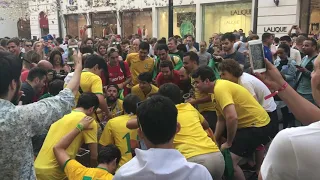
(116,111)
(135,90)
(137,66)
(46,165)
(205,106)
(250,112)
(192,140)
(117,133)
(90,82)
(76,171)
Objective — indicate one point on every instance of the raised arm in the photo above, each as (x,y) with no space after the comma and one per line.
(296,103)
(74,83)
(60,148)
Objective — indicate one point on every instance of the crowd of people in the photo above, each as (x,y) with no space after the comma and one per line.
(132,108)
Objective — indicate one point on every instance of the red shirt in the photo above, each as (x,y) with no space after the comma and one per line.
(24,76)
(116,76)
(175,80)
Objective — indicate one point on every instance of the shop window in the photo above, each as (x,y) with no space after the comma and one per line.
(226,17)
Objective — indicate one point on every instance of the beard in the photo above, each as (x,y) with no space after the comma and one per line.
(111,100)
(15,99)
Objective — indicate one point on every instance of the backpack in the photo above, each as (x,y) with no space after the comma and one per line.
(122,67)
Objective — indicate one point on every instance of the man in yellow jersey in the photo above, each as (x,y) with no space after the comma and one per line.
(192,141)
(108,157)
(46,165)
(157,119)
(118,134)
(246,123)
(201,100)
(145,88)
(91,82)
(113,101)
(140,62)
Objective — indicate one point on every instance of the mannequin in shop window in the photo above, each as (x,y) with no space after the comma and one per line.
(144,31)
(105,31)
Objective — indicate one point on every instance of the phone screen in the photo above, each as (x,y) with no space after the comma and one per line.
(257,57)
(71,50)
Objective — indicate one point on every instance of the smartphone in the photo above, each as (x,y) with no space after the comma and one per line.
(256,56)
(71,50)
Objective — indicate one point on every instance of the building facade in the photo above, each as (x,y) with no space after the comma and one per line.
(200,18)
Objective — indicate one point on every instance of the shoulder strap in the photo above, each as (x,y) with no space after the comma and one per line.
(123,68)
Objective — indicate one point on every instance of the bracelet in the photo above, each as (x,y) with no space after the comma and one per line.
(80,127)
(283,87)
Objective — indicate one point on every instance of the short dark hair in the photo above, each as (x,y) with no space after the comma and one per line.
(276,40)
(55,86)
(157,117)
(144,46)
(266,36)
(313,42)
(14,40)
(166,63)
(88,100)
(231,66)
(286,38)
(182,48)
(191,37)
(162,47)
(54,53)
(286,48)
(173,39)
(88,39)
(193,56)
(93,60)
(130,104)
(10,69)
(230,36)
(171,91)
(146,77)
(3,42)
(36,72)
(32,57)
(109,153)
(204,72)
(69,36)
(84,49)
(59,40)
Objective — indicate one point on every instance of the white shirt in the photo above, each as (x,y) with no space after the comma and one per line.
(294,155)
(258,89)
(161,164)
(295,54)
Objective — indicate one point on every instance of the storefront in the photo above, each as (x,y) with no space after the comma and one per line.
(104,24)
(314,27)
(184,21)
(74,23)
(137,22)
(226,17)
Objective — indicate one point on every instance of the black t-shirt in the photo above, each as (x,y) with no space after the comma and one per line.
(28,92)
(237,56)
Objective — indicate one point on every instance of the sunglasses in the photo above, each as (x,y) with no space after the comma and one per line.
(28,45)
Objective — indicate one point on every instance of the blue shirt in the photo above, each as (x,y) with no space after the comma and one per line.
(267,53)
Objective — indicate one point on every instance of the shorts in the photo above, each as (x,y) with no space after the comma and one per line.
(247,140)
(211,118)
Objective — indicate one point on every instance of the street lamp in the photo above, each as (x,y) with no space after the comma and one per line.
(170,30)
